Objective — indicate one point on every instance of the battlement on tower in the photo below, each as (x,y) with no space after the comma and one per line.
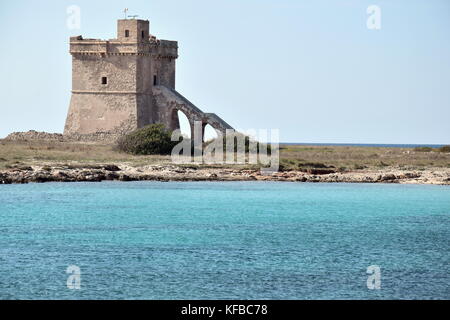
(133,38)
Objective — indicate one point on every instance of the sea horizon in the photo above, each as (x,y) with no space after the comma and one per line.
(379,145)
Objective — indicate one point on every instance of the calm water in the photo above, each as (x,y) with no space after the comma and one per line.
(233,240)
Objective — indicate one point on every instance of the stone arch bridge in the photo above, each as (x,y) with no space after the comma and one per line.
(169,102)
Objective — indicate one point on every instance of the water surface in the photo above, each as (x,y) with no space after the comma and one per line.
(224,240)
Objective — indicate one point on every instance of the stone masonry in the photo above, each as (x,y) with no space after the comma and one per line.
(120,85)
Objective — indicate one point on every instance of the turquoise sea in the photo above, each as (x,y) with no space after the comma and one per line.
(224,240)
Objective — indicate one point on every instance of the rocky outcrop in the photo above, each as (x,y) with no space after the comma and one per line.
(100,137)
(34,135)
(124,172)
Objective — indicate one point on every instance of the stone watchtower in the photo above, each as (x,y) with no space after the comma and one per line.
(122,84)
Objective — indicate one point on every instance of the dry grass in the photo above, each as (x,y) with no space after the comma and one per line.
(48,152)
(357,158)
(13,153)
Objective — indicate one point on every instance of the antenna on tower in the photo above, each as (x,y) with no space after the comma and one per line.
(133,17)
(125,11)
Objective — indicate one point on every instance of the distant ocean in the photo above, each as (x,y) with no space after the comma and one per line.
(364,145)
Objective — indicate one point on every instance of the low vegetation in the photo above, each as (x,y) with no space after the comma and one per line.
(423,149)
(445,149)
(153,139)
(349,158)
(241,142)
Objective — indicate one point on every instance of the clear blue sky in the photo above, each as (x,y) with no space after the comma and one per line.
(309,68)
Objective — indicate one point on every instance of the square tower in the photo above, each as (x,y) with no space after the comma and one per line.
(122,84)
(133,30)
(112,81)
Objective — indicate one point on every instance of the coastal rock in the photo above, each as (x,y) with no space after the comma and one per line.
(111,176)
(124,177)
(320,171)
(412,175)
(100,172)
(60,175)
(111,167)
(388,177)
(40,178)
(5,179)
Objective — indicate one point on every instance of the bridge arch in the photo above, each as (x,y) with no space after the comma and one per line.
(170,100)
(192,118)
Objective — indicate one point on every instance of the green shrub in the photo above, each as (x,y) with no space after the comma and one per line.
(444,149)
(235,136)
(151,139)
(423,149)
(382,164)
(315,165)
(299,165)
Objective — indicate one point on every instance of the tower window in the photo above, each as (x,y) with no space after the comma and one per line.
(104,80)
(127,33)
(143,34)
(155,80)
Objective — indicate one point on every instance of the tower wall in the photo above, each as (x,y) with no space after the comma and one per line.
(103,107)
(145,111)
(164,58)
(101,113)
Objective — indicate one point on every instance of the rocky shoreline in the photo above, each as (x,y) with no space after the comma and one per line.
(124,172)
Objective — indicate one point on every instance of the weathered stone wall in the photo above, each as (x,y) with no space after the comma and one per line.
(95,106)
(145,111)
(96,112)
(88,70)
(165,71)
(138,30)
